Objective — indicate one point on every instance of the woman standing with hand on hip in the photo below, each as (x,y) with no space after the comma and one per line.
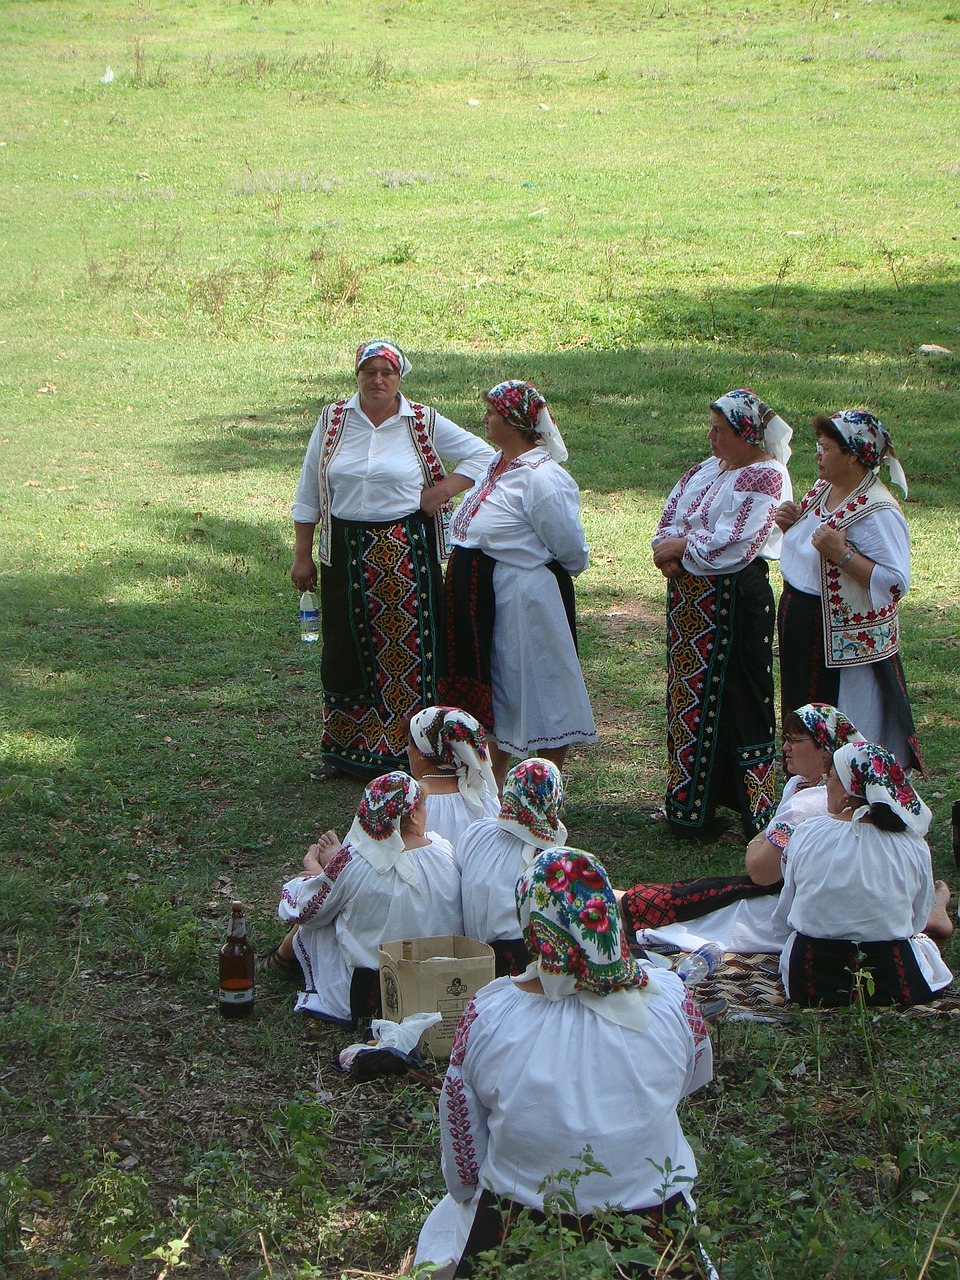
(374,482)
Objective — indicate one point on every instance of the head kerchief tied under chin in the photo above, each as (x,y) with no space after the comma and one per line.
(872,774)
(530,805)
(570,921)
(375,832)
(387,350)
(869,441)
(457,741)
(829,728)
(525,409)
(756,423)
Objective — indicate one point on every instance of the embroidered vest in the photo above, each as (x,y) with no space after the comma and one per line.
(421,428)
(854,631)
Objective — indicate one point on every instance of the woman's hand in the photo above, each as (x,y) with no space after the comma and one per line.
(830,543)
(668,556)
(433,496)
(786,516)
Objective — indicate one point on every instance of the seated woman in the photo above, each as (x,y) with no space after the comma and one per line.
(737,911)
(586,1048)
(389,879)
(858,888)
(448,755)
(495,851)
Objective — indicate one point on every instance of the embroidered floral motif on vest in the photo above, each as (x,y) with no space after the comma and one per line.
(854,631)
(421,430)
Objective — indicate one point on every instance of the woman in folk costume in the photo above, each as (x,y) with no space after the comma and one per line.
(585,1048)
(494,852)
(858,889)
(712,544)
(373,482)
(846,565)
(388,879)
(511,656)
(448,756)
(737,911)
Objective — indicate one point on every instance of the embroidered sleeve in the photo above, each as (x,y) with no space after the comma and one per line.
(739,526)
(463,1119)
(668,528)
(312,900)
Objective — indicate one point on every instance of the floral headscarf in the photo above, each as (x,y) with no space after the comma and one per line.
(525,408)
(389,351)
(375,832)
(570,921)
(756,423)
(872,774)
(530,806)
(869,441)
(458,742)
(829,728)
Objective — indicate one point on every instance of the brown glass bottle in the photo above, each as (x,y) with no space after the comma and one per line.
(236,969)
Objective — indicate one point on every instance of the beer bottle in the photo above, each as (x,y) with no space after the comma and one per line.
(236,969)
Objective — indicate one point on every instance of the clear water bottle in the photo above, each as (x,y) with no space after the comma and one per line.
(309,617)
(700,964)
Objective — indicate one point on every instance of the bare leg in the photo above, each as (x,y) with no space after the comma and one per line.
(285,948)
(939,925)
(499,762)
(556,755)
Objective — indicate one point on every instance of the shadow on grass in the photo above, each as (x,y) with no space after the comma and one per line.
(635,418)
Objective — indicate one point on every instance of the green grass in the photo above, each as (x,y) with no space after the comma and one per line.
(648,205)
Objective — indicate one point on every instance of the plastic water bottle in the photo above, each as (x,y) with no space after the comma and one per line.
(309,617)
(700,964)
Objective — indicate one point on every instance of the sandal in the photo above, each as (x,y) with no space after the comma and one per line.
(323,772)
(283,966)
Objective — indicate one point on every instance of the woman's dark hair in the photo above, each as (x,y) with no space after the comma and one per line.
(793,724)
(885,819)
(823,426)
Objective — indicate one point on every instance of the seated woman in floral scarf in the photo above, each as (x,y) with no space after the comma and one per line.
(587,1048)
(448,754)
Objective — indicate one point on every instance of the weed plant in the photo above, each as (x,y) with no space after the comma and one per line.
(635,207)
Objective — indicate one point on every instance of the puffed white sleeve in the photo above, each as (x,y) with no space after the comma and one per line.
(306,502)
(463,1118)
(554,514)
(884,537)
(469,455)
(742,526)
(311,901)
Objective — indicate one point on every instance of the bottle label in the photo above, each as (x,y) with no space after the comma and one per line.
(236,997)
(309,617)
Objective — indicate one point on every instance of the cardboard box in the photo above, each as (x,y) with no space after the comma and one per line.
(426,975)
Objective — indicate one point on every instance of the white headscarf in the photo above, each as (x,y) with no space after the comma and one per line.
(870,773)
(375,832)
(457,741)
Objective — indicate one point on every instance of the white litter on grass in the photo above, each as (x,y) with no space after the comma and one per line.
(107,77)
(473,102)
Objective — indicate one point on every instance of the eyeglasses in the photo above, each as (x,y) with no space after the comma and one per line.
(820,450)
(795,739)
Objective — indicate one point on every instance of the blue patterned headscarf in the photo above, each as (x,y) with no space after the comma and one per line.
(869,441)
(756,423)
(387,350)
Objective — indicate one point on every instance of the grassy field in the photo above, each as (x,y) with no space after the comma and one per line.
(635,206)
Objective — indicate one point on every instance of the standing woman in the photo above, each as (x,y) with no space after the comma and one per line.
(511,651)
(374,483)
(715,536)
(846,565)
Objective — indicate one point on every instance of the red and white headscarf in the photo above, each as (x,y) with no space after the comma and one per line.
(458,742)
(387,350)
(522,405)
(375,832)
(869,441)
(756,423)
(871,774)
